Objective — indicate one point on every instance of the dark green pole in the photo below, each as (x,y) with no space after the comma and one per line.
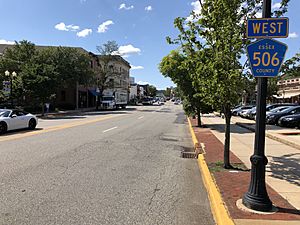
(257,197)
(11,91)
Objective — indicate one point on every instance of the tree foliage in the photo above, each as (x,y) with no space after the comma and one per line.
(42,71)
(212,44)
(152,90)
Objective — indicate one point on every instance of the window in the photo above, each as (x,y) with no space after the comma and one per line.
(20,113)
(92,64)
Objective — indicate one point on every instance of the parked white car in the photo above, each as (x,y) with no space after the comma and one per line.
(16,119)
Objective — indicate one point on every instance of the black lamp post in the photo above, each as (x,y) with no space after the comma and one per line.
(11,76)
(257,197)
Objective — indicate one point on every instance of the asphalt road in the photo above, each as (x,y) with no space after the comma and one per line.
(120,167)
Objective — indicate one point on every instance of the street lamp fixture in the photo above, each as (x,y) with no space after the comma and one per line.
(11,76)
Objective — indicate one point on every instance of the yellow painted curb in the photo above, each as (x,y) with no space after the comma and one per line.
(217,205)
(195,140)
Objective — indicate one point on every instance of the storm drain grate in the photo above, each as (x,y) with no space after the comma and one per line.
(188,155)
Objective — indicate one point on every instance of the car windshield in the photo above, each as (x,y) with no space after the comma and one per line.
(279,109)
(4,113)
(289,109)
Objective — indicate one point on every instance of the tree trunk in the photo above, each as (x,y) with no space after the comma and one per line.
(227,113)
(43,108)
(199,117)
(96,102)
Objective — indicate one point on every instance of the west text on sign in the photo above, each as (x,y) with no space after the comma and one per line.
(267,28)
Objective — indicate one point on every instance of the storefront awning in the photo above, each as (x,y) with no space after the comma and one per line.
(286,95)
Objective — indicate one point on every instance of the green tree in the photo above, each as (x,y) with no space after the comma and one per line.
(14,59)
(152,90)
(291,67)
(214,43)
(73,65)
(176,67)
(40,77)
(105,72)
(167,92)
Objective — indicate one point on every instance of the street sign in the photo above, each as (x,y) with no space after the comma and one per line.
(266,57)
(268,28)
(6,88)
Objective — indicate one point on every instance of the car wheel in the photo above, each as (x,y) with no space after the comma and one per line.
(32,124)
(3,127)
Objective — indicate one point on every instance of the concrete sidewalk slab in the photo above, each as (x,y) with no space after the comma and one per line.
(288,136)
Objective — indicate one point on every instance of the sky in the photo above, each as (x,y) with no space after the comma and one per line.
(140,28)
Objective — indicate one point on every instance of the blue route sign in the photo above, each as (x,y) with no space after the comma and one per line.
(268,28)
(266,57)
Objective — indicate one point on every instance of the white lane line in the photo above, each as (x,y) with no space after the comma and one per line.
(110,129)
(141,117)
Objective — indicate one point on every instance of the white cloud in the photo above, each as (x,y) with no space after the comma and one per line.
(62,26)
(84,33)
(196,9)
(143,82)
(148,8)
(258,15)
(293,35)
(123,6)
(136,67)
(126,50)
(5,42)
(276,6)
(104,26)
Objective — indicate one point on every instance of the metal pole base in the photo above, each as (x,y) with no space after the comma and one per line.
(257,197)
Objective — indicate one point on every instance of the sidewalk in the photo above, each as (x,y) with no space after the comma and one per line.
(283,172)
(289,136)
(67,112)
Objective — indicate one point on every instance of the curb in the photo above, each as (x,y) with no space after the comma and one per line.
(195,140)
(271,136)
(217,205)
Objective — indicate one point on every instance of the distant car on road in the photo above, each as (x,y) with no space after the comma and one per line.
(273,118)
(147,101)
(16,119)
(290,121)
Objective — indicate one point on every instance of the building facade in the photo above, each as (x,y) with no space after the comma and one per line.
(82,96)
(289,90)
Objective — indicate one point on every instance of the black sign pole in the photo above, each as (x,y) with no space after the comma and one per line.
(257,197)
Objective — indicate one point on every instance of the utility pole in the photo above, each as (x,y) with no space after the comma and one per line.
(257,197)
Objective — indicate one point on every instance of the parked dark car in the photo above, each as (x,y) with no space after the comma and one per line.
(273,118)
(269,107)
(245,112)
(147,101)
(250,114)
(290,121)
